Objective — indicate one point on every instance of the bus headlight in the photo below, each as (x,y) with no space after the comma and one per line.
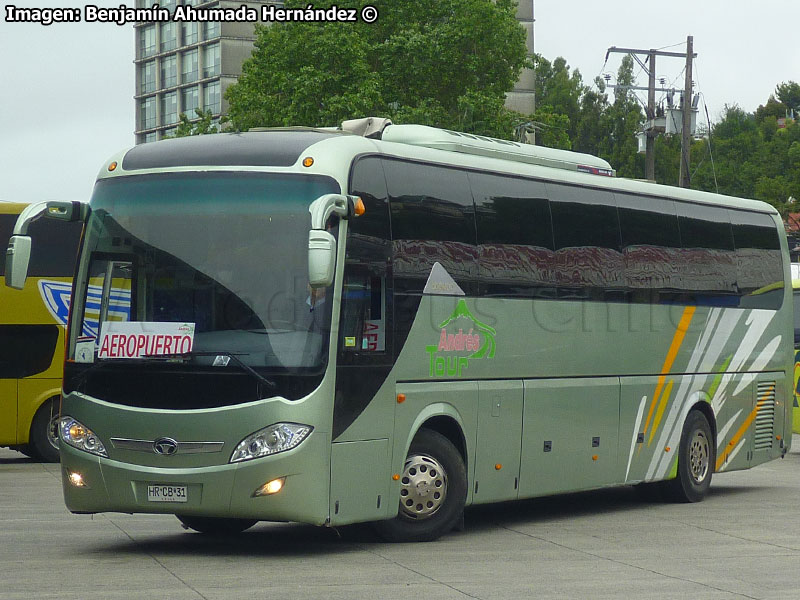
(270,440)
(77,435)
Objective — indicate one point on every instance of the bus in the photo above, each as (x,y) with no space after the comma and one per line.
(32,336)
(388,323)
(796,299)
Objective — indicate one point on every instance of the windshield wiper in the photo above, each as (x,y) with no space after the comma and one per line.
(234,356)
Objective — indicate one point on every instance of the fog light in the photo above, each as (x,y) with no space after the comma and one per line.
(76,479)
(270,488)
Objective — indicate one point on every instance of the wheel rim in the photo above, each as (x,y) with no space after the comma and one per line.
(424,487)
(699,456)
(52,428)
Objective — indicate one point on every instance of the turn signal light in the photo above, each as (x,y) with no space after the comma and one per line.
(359,208)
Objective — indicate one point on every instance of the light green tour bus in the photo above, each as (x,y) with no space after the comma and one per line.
(388,323)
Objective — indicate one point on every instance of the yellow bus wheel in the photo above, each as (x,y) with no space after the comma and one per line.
(44,431)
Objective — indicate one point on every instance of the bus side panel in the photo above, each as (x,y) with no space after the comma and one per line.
(360,478)
(653,410)
(635,451)
(8,412)
(32,394)
(499,446)
(456,400)
(756,430)
(570,435)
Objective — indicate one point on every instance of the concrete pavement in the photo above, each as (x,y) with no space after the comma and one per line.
(743,541)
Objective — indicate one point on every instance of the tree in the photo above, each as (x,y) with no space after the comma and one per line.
(202,126)
(593,124)
(559,90)
(625,118)
(773,108)
(446,63)
(789,94)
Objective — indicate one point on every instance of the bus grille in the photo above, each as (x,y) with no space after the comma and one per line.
(765,416)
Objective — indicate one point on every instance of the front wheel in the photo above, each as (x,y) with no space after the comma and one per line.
(216,526)
(695,461)
(433,491)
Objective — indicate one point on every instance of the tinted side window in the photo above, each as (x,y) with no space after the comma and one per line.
(367,290)
(433,220)
(759,265)
(651,243)
(587,240)
(26,349)
(515,235)
(707,262)
(704,227)
(54,248)
(6,228)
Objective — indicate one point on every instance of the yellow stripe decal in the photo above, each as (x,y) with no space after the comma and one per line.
(743,429)
(677,340)
(660,412)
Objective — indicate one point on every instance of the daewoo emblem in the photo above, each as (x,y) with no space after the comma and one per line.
(165,446)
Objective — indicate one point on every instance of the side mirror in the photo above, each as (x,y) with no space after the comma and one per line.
(18,256)
(321,258)
(321,243)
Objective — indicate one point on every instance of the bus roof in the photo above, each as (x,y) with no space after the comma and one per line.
(11,208)
(334,150)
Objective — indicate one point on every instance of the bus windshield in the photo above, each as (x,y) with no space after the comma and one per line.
(225,253)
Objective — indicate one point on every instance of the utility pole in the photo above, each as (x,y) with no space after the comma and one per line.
(685,179)
(650,158)
(650,149)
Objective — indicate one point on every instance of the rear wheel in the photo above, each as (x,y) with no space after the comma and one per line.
(433,491)
(44,431)
(215,525)
(695,461)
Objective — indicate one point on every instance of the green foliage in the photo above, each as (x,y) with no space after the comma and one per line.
(593,121)
(625,118)
(559,90)
(773,108)
(789,94)
(446,63)
(753,159)
(449,63)
(552,128)
(201,126)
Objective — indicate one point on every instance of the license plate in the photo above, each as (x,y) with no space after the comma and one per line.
(166,493)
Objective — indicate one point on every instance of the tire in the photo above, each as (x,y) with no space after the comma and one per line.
(433,492)
(44,431)
(696,459)
(216,526)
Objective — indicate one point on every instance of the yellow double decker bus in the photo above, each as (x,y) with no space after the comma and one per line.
(32,326)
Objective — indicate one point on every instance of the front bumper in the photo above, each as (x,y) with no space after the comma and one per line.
(213,491)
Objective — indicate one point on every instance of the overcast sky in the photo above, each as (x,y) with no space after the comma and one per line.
(66,91)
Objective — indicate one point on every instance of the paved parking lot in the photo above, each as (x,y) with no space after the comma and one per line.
(742,542)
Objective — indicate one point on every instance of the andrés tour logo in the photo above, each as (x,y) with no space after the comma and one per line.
(462,337)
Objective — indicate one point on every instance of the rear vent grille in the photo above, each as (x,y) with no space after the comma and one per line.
(765,416)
